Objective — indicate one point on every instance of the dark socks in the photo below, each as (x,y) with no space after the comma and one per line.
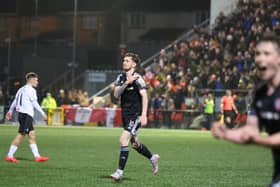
(123,157)
(143,150)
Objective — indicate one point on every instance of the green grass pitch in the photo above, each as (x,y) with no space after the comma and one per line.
(86,156)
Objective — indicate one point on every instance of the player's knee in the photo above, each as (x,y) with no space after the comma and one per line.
(32,135)
(123,142)
(134,145)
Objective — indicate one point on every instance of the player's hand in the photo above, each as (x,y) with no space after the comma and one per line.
(218,130)
(130,78)
(250,134)
(8,115)
(45,117)
(143,121)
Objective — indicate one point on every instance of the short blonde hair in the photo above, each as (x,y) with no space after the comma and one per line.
(30,75)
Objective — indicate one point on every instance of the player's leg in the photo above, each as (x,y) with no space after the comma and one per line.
(140,148)
(143,150)
(13,148)
(124,151)
(124,141)
(18,139)
(34,148)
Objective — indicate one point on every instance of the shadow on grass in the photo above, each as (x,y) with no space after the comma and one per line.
(25,159)
(116,181)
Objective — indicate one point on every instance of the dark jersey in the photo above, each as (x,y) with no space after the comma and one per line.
(131,100)
(267,108)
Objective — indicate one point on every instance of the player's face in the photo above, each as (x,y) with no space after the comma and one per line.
(267,59)
(128,63)
(34,82)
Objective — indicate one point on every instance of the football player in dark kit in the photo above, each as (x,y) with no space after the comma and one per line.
(131,89)
(265,109)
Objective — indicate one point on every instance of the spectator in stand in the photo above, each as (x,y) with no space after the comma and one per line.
(73,97)
(219,84)
(62,99)
(235,77)
(167,105)
(84,99)
(239,61)
(212,82)
(178,96)
(155,106)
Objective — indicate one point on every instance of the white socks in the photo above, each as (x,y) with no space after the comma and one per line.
(34,150)
(12,151)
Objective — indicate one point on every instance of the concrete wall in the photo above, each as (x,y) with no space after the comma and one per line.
(131,33)
(217,6)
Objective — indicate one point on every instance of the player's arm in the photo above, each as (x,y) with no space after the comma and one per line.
(120,88)
(142,87)
(143,117)
(268,141)
(241,135)
(11,109)
(35,104)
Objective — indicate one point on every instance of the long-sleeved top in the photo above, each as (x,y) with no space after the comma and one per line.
(25,101)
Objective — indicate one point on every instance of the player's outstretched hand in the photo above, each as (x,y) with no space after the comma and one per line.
(218,130)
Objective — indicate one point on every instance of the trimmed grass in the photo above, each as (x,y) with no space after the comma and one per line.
(86,156)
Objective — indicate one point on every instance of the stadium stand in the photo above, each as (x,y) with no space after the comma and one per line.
(214,60)
(202,62)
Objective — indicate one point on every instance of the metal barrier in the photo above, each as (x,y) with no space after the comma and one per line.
(111,117)
(55,116)
(174,119)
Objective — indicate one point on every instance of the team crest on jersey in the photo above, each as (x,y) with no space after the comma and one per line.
(277,104)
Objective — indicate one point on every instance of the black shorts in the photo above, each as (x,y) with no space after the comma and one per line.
(131,124)
(25,123)
(229,113)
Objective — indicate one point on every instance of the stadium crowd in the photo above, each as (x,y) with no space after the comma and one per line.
(213,60)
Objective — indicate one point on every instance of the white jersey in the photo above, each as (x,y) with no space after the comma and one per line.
(25,101)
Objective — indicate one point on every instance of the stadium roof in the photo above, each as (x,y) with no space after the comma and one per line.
(51,7)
